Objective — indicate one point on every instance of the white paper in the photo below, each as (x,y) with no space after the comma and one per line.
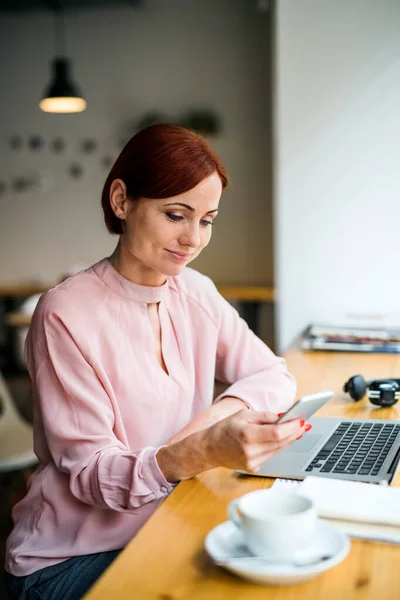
(362,510)
(353,500)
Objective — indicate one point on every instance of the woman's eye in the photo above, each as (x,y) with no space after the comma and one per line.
(174,217)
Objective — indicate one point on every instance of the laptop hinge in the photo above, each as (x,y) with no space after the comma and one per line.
(393,466)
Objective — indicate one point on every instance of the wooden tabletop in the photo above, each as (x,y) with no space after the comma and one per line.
(250,293)
(18,319)
(166,559)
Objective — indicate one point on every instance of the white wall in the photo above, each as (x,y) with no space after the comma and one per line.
(337,169)
(168,55)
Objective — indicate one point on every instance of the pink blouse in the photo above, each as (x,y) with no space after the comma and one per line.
(103,405)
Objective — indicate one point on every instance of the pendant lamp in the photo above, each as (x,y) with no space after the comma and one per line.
(62,95)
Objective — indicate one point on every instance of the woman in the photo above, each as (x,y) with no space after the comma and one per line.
(122,358)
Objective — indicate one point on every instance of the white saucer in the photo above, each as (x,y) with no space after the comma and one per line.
(225,542)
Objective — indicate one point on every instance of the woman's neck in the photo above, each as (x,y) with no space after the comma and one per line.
(133,269)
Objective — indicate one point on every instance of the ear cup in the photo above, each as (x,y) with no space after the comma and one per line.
(384,392)
(356,386)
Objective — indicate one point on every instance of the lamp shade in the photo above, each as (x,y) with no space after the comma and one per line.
(62,95)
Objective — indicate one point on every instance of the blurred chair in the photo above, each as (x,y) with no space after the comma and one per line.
(16,436)
(27,308)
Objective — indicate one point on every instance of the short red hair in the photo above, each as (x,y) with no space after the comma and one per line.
(159,162)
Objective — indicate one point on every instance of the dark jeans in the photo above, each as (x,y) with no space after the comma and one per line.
(68,580)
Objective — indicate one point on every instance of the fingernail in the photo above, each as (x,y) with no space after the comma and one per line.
(300,436)
(280,414)
(308,427)
(302,422)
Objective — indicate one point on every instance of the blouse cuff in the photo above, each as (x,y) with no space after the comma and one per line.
(153,473)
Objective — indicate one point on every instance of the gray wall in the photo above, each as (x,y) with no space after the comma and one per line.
(169,55)
(337,150)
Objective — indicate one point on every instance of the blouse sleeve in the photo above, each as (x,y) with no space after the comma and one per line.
(77,418)
(257,376)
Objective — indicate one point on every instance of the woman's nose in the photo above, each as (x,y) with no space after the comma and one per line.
(191,237)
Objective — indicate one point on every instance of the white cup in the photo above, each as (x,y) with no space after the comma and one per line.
(275,524)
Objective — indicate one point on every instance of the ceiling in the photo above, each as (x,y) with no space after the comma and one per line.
(23,6)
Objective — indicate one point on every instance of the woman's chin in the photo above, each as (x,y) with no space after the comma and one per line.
(173,270)
(170,268)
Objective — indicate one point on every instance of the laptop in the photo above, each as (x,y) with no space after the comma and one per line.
(355,449)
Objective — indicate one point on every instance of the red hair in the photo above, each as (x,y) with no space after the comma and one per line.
(159,162)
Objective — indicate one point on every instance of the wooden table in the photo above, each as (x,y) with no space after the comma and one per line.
(166,560)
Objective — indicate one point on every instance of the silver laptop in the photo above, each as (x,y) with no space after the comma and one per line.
(360,450)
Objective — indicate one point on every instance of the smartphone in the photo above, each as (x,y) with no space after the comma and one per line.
(305,406)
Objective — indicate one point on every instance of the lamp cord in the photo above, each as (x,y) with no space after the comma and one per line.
(59,29)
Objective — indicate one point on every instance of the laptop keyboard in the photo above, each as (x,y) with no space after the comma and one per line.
(355,449)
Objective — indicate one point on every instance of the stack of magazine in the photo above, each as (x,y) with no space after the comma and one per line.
(351,339)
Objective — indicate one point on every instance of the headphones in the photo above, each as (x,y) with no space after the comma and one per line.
(382,392)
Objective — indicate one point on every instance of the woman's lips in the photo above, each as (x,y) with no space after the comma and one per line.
(179,256)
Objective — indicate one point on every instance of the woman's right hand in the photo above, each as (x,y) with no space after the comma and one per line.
(247,438)
(242,441)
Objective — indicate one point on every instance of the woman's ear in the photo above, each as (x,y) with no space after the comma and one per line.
(118,198)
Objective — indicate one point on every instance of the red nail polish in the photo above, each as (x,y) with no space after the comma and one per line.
(300,436)
(302,422)
(280,414)
(308,427)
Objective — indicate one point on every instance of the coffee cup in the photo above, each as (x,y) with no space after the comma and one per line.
(278,525)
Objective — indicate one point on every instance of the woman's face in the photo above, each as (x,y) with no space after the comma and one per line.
(164,235)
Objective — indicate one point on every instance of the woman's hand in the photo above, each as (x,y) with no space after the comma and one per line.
(248,438)
(243,440)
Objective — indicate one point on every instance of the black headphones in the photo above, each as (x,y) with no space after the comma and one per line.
(382,392)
